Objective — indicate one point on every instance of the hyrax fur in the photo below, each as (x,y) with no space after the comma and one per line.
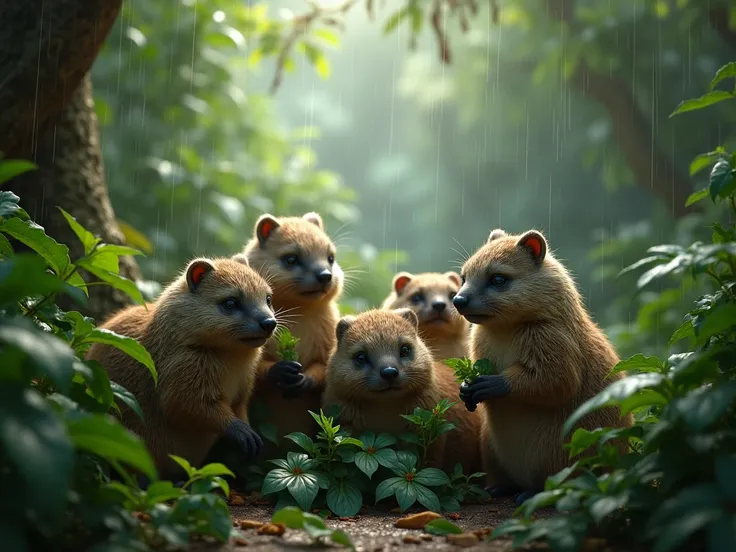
(529,320)
(430,295)
(205,334)
(298,259)
(382,369)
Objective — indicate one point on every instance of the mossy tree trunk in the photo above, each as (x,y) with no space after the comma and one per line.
(47,115)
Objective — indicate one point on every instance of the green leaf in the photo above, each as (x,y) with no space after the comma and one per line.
(161,491)
(431,477)
(10,168)
(128,345)
(726,474)
(304,489)
(344,499)
(214,469)
(386,457)
(127,397)
(317,59)
(8,202)
(725,72)
(47,353)
(88,239)
(25,275)
(105,437)
(703,101)
(613,394)
(34,236)
(34,441)
(302,440)
(387,487)
(406,494)
(722,180)
(6,250)
(407,459)
(107,257)
(702,407)
(383,440)
(118,282)
(441,527)
(368,439)
(366,463)
(674,535)
(339,536)
(184,464)
(603,506)
(328,36)
(426,497)
(349,441)
(395,19)
(696,196)
(718,320)
(97,380)
(541,500)
(686,329)
(290,516)
(275,481)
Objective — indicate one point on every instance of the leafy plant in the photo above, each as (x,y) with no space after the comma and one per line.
(674,489)
(430,424)
(441,527)
(410,485)
(286,345)
(315,527)
(466,370)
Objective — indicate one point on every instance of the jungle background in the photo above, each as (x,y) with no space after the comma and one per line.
(413,127)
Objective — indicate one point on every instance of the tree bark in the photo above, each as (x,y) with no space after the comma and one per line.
(71,175)
(46,49)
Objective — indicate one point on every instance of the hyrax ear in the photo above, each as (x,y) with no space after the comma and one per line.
(408,315)
(265,226)
(241,258)
(495,234)
(400,281)
(535,243)
(314,218)
(196,271)
(454,277)
(343,325)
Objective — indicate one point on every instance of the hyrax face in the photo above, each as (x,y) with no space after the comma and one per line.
(229,302)
(379,356)
(430,296)
(509,279)
(297,257)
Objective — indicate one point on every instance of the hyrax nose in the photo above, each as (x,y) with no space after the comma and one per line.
(268,324)
(324,277)
(439,306)
(389,373)
(460,302)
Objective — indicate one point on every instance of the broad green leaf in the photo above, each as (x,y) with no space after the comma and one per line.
(128,345)
(275,481)
(722,180)
(407,459)
(10,168)
(8,201)
(135,238)
(313,521)
(368,439)
(34,236)
(426,497)
(292,517)
(395,19)
(161,491)
(639,363)
(725,72)
(696,196)
(184,464)
(366,463)
(344,499)
(387,487)
(613,394)
(718,320)
(302,440)
(339,536)
(441,527)
(25,275)
(638,264)
(212,470)
(97,380)
(304,489)
(686,329)
(431,477)
(703,101)
(6,250)
(127,397)
(317,59)
(105,437)
(48,354)
(540,500)
(34,441)
(116,281)
(88,239)
(327,36)
(406,494)
(702,407)
(384,440)
(107,257)
(603,506)
(386,457)
(350,441)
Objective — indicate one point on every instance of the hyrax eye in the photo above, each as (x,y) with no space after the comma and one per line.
(417,298)
(498,280)
(290,260)
(230,304)
(269,300)
(404,351)
(330,259)
(361,358)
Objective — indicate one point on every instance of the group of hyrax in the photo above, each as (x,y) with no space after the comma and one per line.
(211,335)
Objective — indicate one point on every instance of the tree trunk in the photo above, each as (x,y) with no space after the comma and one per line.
(71,175)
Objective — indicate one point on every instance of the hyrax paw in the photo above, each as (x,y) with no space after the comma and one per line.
(484,388)
(298,387)
(245,437)
(285,372)
(467,398)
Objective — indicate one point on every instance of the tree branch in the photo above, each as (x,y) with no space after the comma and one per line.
(46,49)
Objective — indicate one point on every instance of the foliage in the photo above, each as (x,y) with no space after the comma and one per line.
(338,470)
(674,489)
(286,344)
(442,527)
(466,370)
(315,527)
(64,460)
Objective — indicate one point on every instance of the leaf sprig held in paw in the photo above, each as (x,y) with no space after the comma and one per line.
(286,344)
(466,371)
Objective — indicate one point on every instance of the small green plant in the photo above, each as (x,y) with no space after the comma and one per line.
(430,424)
(466,370)
(286,344)
(410,486)
(441,527)
(313,525)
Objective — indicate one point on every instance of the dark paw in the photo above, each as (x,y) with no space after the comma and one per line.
(245,437)
(484,388)
(520,498)
(467,398)
(503,490)
(297,388)
(285,374)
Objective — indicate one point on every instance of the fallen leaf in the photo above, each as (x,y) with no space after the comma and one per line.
(411,539)
(240,542)
(454,516)
(275,529)
(483,532)
(463,539)
(416,521)
(237,500)
(250,524)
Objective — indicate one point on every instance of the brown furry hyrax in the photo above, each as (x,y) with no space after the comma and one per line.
(382,369)
(529,320)
(430,295)
(205,334)
(298,259)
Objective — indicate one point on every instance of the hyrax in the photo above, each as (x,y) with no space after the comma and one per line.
(298,259)
(205,334)
(382,369)
(529,320)
(430,296)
